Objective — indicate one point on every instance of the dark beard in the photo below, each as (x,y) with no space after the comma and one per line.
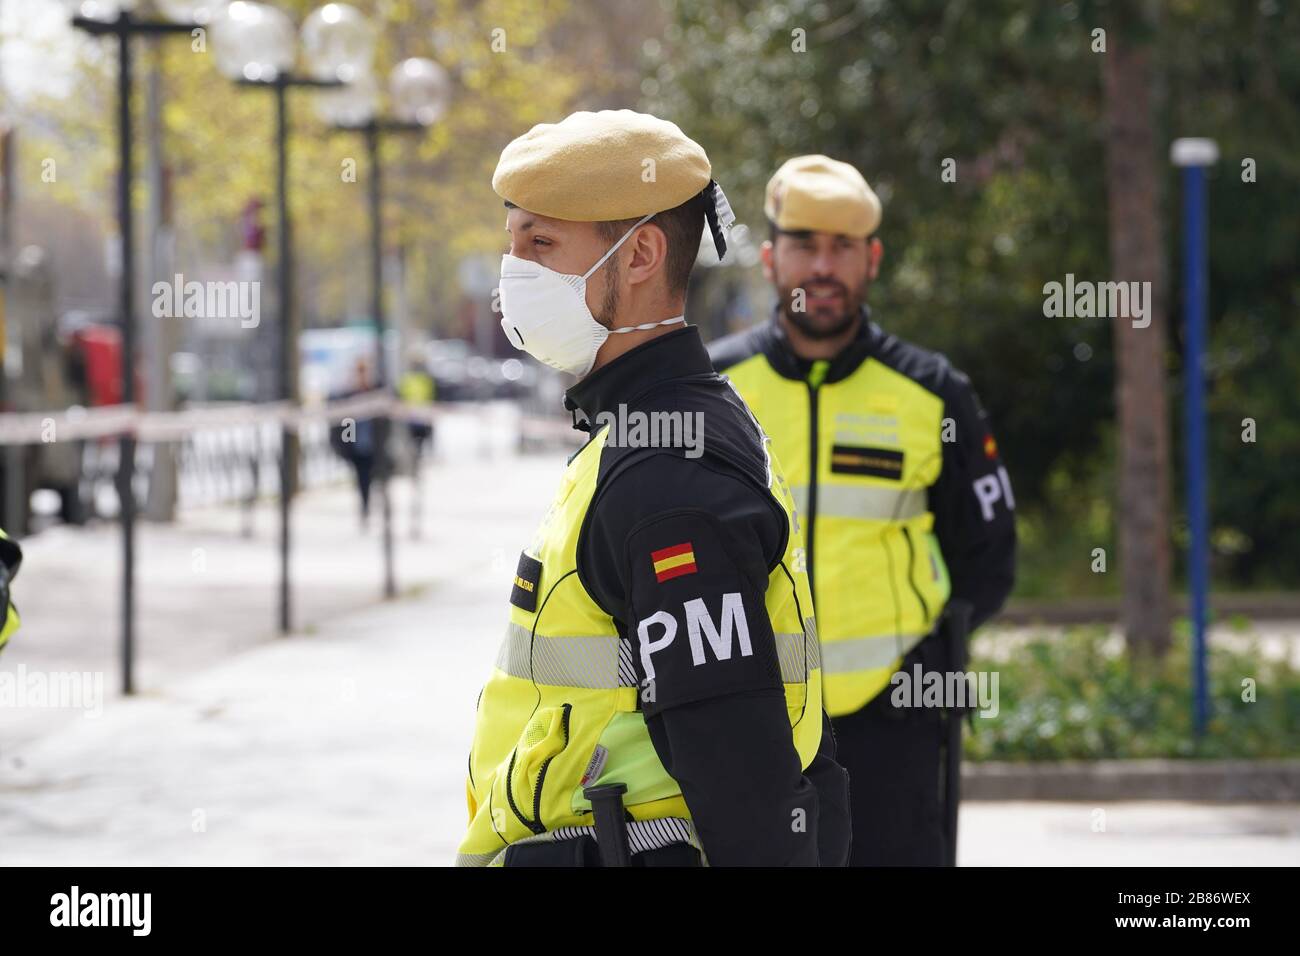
(803,322)
(609,303)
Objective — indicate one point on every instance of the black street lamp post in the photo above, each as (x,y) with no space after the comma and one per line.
(124,28)
(419,90)
(373,131)
(280,83)
(255,45)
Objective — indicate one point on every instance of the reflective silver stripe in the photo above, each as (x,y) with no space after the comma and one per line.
(474,859)
(866,502)
(591,662)
(602,663)
(642,835)
(845,655)
(799,654)
(626,668)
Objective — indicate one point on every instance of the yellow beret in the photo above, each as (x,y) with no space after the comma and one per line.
(820,194)
(595,167)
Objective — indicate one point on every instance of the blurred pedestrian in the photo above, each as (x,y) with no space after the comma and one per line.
(354,439)
(416,387)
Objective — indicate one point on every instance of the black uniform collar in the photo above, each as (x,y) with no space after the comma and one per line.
(776,345)
(674,355)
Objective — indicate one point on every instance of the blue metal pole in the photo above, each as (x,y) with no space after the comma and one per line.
(1194,269)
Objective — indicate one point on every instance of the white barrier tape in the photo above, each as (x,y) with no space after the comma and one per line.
(174,426)
(369,405)
(551,429)
(28,428)
(79,424)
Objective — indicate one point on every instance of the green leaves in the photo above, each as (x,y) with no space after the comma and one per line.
(1014,97)
(1077,696)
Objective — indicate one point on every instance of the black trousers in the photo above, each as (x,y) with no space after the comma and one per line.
(364,465)
(895,760)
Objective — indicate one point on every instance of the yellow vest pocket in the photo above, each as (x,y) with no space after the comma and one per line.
(519,783)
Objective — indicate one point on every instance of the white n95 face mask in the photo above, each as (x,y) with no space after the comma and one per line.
(544,312)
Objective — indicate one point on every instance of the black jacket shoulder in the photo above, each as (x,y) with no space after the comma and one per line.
(735,348)
(928,368)
(715,428)
(723,472)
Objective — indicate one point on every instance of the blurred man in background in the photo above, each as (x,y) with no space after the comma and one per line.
(355,440)
(906,506)
(416,388)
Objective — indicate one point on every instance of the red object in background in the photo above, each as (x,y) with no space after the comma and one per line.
(251,231)
(101,348)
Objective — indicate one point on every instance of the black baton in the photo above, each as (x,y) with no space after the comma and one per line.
(611,828)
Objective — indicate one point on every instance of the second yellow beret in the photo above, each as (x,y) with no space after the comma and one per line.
(820,194)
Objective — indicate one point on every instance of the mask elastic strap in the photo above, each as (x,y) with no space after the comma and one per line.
(645,327)
(613,249)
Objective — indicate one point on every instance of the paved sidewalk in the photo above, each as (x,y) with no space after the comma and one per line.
(346,743)
(1147,833)
(348,747)
(205,592)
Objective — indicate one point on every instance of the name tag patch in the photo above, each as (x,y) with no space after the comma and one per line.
(872,462)
(528,578)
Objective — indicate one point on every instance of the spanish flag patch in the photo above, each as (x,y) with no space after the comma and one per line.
(674,562)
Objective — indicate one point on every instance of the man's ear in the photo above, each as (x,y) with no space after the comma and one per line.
(875,252)
(765,254)
(649,250)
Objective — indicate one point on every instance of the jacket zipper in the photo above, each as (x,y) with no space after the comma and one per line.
(510,794)
(911,567)
(535,824)
(541,774)
(812,484)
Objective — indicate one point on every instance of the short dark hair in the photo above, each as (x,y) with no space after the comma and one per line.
(682,225)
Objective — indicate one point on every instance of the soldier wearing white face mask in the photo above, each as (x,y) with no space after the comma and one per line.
(656,700)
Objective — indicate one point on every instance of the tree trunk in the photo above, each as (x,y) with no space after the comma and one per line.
(1132,177)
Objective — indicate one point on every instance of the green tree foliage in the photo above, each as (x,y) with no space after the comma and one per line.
(219,145)
(1011,94)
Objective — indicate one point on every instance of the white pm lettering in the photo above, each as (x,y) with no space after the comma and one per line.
(733,616)
(699,627)
(648,647)
(990,488)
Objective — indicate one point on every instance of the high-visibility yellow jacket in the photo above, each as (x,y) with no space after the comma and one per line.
(416,387)
(567,703)
(897,479)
